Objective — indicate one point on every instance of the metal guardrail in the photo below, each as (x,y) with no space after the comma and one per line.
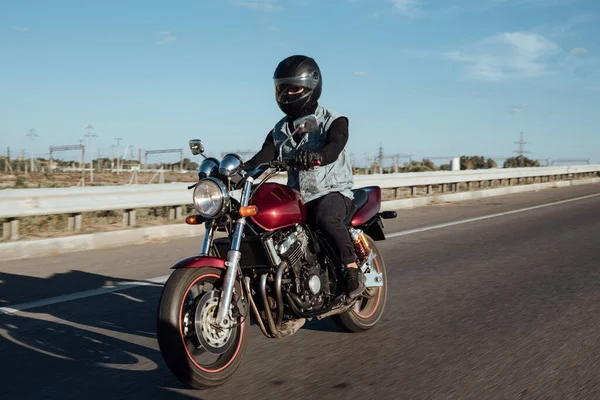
(20,203)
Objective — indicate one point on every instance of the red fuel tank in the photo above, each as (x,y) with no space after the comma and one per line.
(279,206)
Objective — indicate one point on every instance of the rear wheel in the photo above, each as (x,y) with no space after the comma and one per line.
(200,354)
(368,309)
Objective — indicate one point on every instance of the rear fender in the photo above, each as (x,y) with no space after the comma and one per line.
(374,226)
(200,262)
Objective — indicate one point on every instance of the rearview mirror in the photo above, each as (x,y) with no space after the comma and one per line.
(196,146)
(306,124)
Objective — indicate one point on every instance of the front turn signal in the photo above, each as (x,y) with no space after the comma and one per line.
(248,211)
(194,219)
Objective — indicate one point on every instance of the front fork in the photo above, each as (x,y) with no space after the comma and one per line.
(233,258)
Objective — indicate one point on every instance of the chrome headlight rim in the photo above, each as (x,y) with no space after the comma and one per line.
(225,199)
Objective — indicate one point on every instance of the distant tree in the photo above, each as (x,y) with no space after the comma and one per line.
(188,165)
(419,166)
(476,162)
(520,161)
(491,163)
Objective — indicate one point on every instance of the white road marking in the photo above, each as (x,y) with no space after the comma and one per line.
(162,279)
(502,214)
(80,295)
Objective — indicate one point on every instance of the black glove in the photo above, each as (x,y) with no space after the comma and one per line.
(307,159)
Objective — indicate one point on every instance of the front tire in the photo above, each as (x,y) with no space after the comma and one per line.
(368,309)
(186,336)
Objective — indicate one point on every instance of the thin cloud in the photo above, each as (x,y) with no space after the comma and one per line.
(409,8)
(20,29)
(265,5)
(166,37)
(569,28)
(508,55)
(518,109)
(579,51)
(273,28)
(359,73)
(534,3)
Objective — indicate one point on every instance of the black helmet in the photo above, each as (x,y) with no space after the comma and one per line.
(298,84)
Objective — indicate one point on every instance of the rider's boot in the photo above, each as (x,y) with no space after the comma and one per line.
(355,282)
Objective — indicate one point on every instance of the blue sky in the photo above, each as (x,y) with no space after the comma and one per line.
(426,77)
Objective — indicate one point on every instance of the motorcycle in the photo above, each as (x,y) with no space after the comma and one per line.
(261,262)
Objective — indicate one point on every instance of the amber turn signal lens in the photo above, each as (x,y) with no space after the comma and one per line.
(193,219)
(248,211)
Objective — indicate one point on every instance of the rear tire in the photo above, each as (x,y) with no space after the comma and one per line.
(369,307)
(185,334)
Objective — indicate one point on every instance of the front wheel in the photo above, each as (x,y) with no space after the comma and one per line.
(368,308)
(200,354)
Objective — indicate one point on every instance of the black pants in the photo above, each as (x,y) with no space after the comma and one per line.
(327,213)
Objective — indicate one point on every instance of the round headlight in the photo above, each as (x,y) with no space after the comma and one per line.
(210,198)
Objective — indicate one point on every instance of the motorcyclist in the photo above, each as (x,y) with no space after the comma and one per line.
(326,188)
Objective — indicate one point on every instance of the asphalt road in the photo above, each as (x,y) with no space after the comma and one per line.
(501,308)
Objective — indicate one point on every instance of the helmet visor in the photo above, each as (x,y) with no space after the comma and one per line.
(289,93)
(307,80)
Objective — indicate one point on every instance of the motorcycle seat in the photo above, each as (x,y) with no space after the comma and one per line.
(360,199)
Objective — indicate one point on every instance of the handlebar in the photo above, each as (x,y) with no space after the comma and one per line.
(281,165)
(288,162)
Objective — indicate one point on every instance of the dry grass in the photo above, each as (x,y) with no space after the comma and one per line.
(68,179)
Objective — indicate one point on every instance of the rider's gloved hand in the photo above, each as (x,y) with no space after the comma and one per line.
(307,159)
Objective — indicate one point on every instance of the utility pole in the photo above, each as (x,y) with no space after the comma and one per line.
(381,158)
(22,159)
(8,165)
(90,134)
(32,134)
(521,150)
(117,154)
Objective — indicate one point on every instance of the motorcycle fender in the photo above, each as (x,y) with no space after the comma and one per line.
(200,262)
(374,228)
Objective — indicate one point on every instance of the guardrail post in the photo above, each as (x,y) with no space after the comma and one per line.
(413,190)
(10,229)
(176,212)
(74,223)
(132,218)
(5,230)
(14,229)
(129,218)
(468,185)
